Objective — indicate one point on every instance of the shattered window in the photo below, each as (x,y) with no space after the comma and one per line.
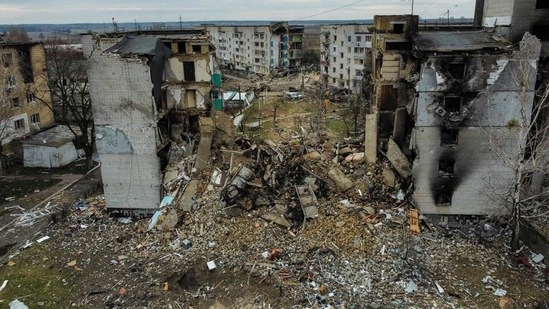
(446,167)
(452,104)
(449,136)
(19,124)
(197,49)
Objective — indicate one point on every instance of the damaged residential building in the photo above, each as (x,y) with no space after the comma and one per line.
(438,99)
(469,93)
(151,94)
(25,99)
(392,73)
(344,55)
(258,48)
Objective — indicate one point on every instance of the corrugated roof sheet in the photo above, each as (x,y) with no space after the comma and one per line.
(54,137)
(459,41)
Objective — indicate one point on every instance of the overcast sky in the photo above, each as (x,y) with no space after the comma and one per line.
(98,11)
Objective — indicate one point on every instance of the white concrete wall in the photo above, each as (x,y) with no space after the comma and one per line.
(480,178)
(49,157)
(121,92)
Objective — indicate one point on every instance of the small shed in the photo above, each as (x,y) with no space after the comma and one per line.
(50,148)
(235,99)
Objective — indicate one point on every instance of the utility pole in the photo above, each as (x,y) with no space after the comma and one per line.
(412,7)
(180,23)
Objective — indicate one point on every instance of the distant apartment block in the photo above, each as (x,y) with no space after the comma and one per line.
(25,100)
(343,54)
(258,48)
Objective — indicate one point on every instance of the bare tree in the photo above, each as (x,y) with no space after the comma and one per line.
(523,149)
(68,83)
(17,35)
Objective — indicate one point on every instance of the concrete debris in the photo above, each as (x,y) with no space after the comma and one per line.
(411,287)
(4,284)
(537,258)
(276,219)
(500,292)
(16,304)
(42,239)
(340,179)
(285,216)
(398,159)
(211,265)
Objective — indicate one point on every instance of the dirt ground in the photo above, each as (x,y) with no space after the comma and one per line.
(359,252)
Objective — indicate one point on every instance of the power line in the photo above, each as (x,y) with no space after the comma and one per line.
(328,11)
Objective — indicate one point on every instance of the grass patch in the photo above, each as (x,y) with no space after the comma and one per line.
(20,188)
(336,128)
(34,280)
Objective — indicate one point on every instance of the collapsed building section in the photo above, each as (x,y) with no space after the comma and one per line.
(471,90)
(393,72)
(149,91)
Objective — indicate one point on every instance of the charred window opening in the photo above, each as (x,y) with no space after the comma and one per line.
(7,60)
(389,98)
(181,47)
(449,136)
(26,66)
(397,45)
(542,4)
(452,104)
(443,197)
(398,28)
(188,71)
(446,167)
(457,70)
(541,31)
(197,49)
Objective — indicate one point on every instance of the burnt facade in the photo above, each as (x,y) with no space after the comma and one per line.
(470,92)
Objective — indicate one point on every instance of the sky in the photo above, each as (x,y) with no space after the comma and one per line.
(99,11)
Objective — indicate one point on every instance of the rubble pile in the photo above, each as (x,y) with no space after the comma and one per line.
(301,225)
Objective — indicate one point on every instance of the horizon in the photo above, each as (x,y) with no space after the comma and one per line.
(27,12)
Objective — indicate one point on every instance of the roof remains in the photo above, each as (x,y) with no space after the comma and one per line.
(140,45)
(54,137)
(447,41)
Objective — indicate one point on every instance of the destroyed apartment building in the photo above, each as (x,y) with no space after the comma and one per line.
(152,94)
(438,100)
